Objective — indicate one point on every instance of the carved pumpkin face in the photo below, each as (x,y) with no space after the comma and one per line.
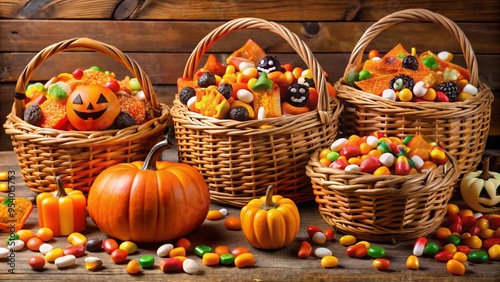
(92,107)
(481,189)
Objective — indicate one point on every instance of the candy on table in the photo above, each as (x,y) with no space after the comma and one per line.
(93,263)
(329,261)
(65,261)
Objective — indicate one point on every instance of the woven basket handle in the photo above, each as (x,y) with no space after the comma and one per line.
(255,23)
(417,15)
(87,43)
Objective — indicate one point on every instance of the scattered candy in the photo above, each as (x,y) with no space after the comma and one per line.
(200,250)
(376,252)
(319,238)
(418,248)
(232,223)
(133,267)
(210,259)
(177,252)
(93,263)
(77,250)
(53,254)
(77,238)
(305,250)
(244,260)
(146,261)
(45,234)
(119,255)
(357,251)
(381,263)
(478,257)
(109,245)
(412,262)
(214,215)
(322,252)
(94,245)
(36,262)
(329,261)
(164,250)
(16,245)
(347,240)
(128,246)
(190,266)
(45,248)
(170,265)
(227,259)
(4,252)
(455,267)
(65,261)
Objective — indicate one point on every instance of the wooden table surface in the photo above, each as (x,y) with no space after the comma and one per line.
(280,265)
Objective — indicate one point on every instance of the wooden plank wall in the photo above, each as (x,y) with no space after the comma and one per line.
(160,35)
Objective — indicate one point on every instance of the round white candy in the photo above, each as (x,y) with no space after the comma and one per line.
(244,95)
(338,144)
(372,141)
(45,248)
(319,238)
(386,159)
(419,89)
(322,252)
(352,167)
(389,94)
(471,89)
(164,250)
(190,266)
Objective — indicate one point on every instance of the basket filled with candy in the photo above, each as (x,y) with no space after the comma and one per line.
(383,188)
(252,120)
(80,122)
(405,92)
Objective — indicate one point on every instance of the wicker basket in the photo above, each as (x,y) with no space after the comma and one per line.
(239,159)
(383,208)
(460,127)
(79,156)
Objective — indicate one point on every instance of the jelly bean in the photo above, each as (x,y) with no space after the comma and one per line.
(171,265)
(340,163)
(445,56)
(77,251)
(444,255)
(305,250)
(322,252)
(490,242)
(177,252)
(128,246)
(381,263)
(419,89)
(450,248)
(452,209)
(338,144)
(220,250)
(319,238)
(441,97)
(77,238)
(412,262)
(494,222)
(133,267)
(419,246)
(214,215)
(352,167)
(455,267)
(245,96)
(45,248)
(487,233)
(311,229)
(477,256)
(93,263)
(468,222)
(244,260)
(463,249)
(34,244)
(366,243)
(119,255)
(45,234)
(454,239)
(65,261)
(454,218)
(383,170)
(332,156)
(494,252)
(210,259)
(376,252)
(36,262)
(4,252)
(109,245)
(474,242)
(461,257)
(200,250)
(25,235)
(329,261)
(347,240)
(475,230)
(350,151)
(223,211)
(53,254)
(483,223)
(365,148)
(94,245)
(357,251)
(329,233)
(164,250)
(465,235)
(232,223)
(431,249)
(239,250)
(226,259)
(190,266)
(146,261)
(389,94)
(16,245)
(455,227)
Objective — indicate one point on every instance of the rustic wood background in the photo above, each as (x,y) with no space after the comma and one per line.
(160,35)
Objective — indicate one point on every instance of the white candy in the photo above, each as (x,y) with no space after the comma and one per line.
(417,161)
(387,159)
(245,65)
(16,245)
(376,59)
(319,238)
(322,252)
(389,94)
(261,114)
(445,56)
(372,141)
(45,248)
(471,89)
(4,252)
(477,215)
(247,71)
(223,211)
(190,266)
(191,102)
(338,144)
(244,95)
(164,250)
(65,261)
(352,167)
(419,89)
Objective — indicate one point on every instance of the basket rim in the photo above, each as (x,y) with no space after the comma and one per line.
(408,15)
(295,42)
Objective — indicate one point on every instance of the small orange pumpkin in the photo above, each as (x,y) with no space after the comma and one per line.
(92,107)
(150,201)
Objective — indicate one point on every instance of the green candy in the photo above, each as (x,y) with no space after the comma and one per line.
(263,83)
(146,261)
(200,250)
(351,78)
(430,63)
(226,259)
(454,239)
(478,257)
(364,74)
(376,252)
(431,249)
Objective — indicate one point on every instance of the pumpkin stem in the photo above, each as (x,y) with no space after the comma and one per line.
(269,204)
(486,169)
(60,188)
(154,154)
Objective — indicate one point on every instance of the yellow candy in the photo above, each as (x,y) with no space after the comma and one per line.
(53,254)
(494,252)
(455,267)
(461,257)
(329,261)
(412,262)
(405,95)
(128,246)
(347,240)
(451,248)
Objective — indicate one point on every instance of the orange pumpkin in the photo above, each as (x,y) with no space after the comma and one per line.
(150,201)
(92,107)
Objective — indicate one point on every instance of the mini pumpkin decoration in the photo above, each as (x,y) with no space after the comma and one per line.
(270,222)
(92,107)
(150,201)
(481,189)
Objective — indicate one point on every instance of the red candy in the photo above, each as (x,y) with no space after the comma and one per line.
(357,251)
(443,255)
